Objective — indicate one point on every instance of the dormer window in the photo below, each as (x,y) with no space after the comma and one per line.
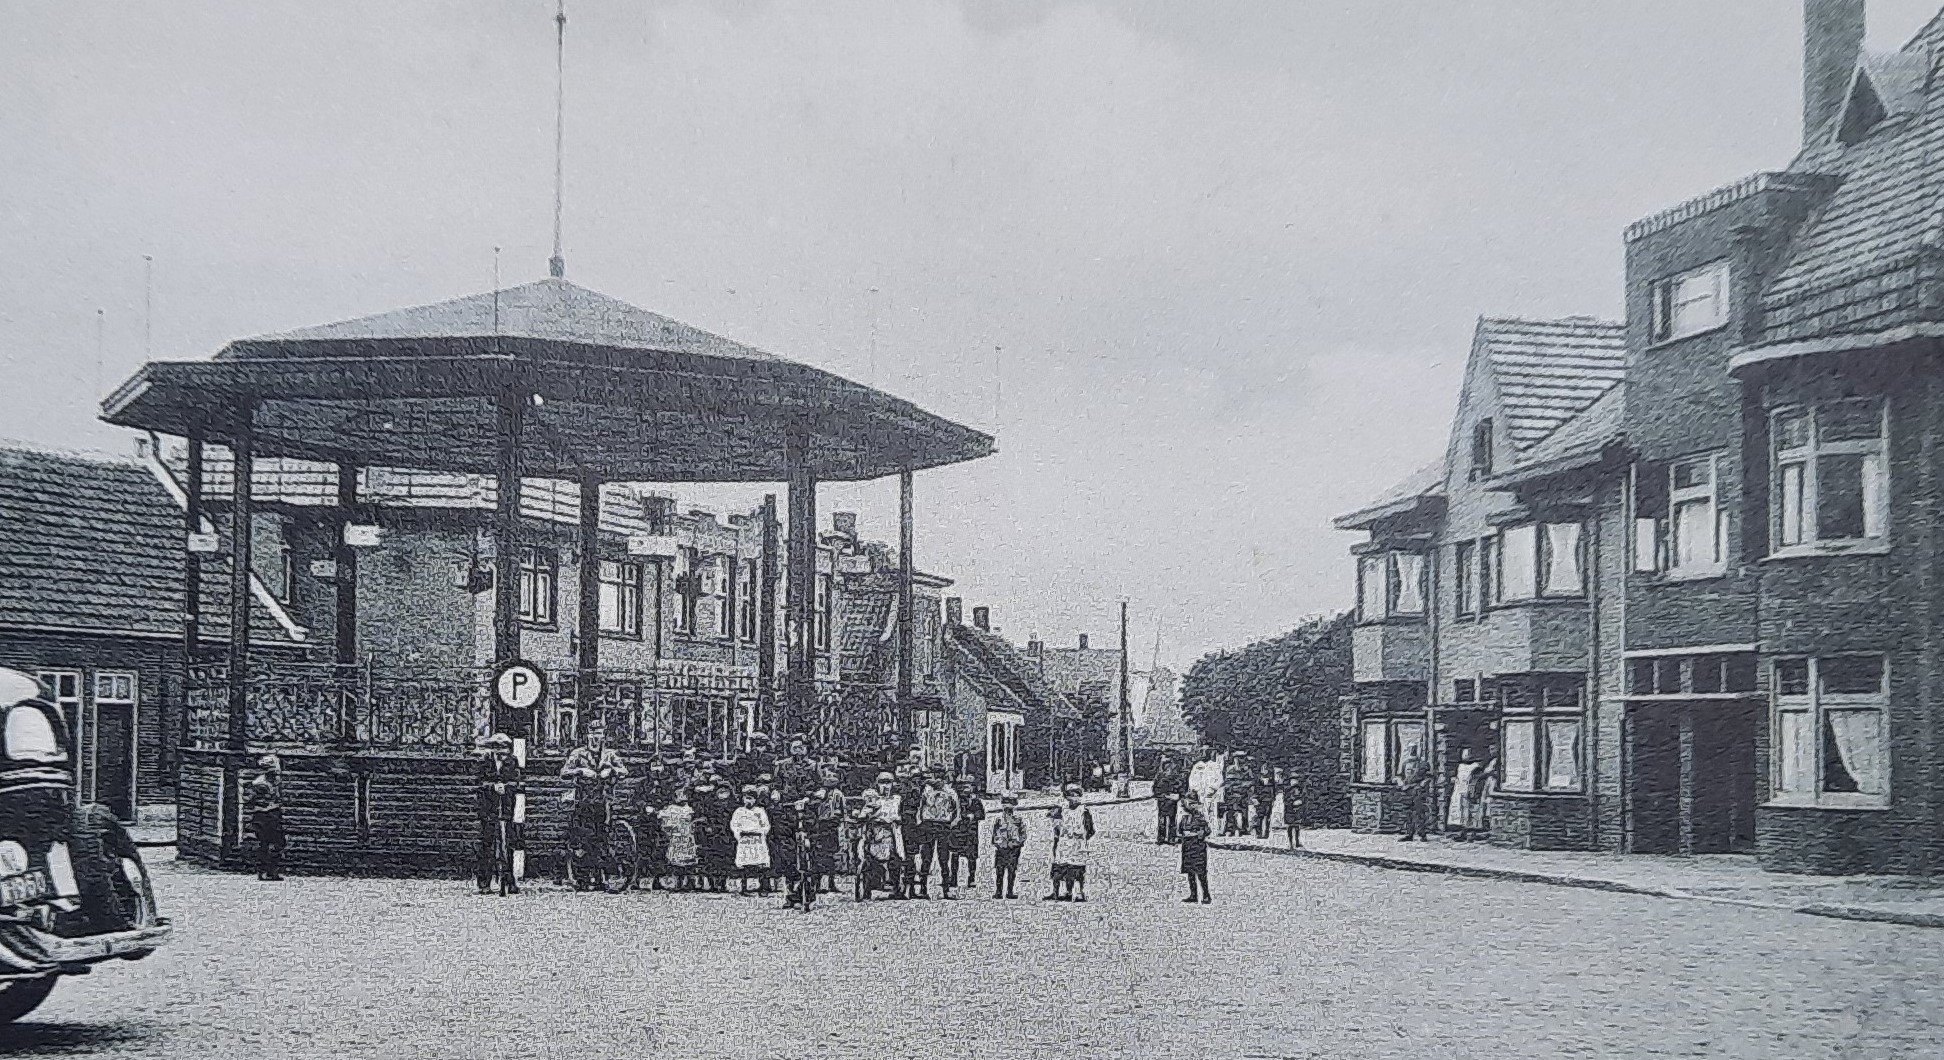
(1689,304)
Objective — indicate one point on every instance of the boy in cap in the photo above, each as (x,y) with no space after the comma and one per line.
(264,801)
(965,834)
(499,787)
(1008,836)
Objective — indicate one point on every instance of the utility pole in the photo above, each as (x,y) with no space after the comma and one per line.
(1126,711)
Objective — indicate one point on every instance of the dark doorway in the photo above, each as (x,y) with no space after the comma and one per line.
(1654,780)
(112,743)
(1724,778)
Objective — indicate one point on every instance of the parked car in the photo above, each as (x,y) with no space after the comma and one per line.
(73,889)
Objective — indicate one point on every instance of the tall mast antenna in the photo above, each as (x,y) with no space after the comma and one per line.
(148,307)
(557,265)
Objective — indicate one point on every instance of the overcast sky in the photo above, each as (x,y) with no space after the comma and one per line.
(1208,270)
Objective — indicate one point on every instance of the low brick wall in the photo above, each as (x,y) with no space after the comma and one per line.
(1376,809)
(1550,822)
(1843,842)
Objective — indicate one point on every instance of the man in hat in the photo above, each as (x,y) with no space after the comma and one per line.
(499,787)
(938,814)
(883,841)
(594,769)
(263,801)
(796,776)
(965,834)
(911,795)
(1170,782)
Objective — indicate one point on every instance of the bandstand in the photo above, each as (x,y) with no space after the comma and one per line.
(543,383)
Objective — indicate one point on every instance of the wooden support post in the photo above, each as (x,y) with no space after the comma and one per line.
(1125,750)
(770,569)
(907,607)
(346,560)
(192,518)
(506,544)
(799,697)
(243,451)
(590,590)
(1689,763)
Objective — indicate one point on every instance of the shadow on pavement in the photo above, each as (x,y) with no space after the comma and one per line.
(70,1039)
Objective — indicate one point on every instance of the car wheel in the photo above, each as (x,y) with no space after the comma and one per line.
(135,892)
(21,996)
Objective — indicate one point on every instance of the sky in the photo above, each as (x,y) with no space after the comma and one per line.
(1208,271)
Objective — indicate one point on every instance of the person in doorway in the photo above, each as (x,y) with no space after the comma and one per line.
(1414,780)
(1170,781)
(499,786)
(1073,832)
(1008,838)
(1465,817)
(263,803)
(750,825)
(938,815)
(964,842)
(1194,830)
(1292,807)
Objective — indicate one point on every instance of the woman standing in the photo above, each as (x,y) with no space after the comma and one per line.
(1194,848)
(678,833)
(750,824)
(1465,818)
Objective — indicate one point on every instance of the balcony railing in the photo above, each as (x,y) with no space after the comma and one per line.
(660,710)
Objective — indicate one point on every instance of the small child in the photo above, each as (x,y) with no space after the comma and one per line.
(1292,803)
(1073,832)
(751,826)
(678,831)
(803,881)
(1194,849)
(1008,836)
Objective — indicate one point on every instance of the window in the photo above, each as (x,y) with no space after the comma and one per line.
(286,589)
(1539,736)
(1390,584)
(1464,565)
(621,585)
(1830,480)
(715,585)
(686,589)
(539,569)
(1465,690)
(1386,744)
(1481,450)
(1691,303)
(746,600)
(822,615)
(1696,530)
(114,688)
(1832,745)
(1535,560)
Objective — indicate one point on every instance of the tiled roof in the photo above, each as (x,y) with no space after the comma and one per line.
(1550,370)
(987,657)
(96,545)
(1858,264)
(1427,481)
(550,309)
(1579,441)
(865,615)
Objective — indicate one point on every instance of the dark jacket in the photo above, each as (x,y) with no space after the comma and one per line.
(498,769)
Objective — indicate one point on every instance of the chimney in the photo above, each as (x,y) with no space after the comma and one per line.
(954,611)
(659,512)
(982,618)
(1035,647)
(1832,44)
(844,523)
(1083,642)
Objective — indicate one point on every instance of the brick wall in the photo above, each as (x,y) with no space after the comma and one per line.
(1544,823)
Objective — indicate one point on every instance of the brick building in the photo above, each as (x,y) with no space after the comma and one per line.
(1090,676)
(1032,735)
(1753,660)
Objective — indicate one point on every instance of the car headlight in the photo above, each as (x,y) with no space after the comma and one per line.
(13,858)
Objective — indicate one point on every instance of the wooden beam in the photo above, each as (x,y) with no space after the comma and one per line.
(907,604)
(771,569)
(241,529)
(590,587)
(346,559)
(506,526)
(799,700)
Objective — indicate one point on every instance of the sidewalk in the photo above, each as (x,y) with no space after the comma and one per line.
(1729,879)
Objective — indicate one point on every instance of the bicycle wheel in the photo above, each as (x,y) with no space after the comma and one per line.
(624,857)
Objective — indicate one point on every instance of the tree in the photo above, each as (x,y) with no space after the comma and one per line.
(1279,701)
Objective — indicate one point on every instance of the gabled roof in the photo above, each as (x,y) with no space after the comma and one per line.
(1856,266)
(97,545)
(1547,371)
(990,662)
(1424,484)
(1580,442)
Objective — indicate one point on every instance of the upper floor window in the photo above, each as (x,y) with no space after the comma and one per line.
(620,597)
(1390,584)
(1690,303)
(1537,560)
(715,586)
(686,588)
(1464,566)
(1832,742)
(1831,483)
(746,600)
(1680,524)
(1481,450)
(539,571)
(822,616)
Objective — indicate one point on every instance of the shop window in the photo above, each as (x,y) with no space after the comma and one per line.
(1540,735)
(1831,481)
(1385,745)
(1831,730)
(1689,304)
(539,571)
(621,597)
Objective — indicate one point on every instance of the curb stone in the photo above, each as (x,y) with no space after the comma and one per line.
(1833,911)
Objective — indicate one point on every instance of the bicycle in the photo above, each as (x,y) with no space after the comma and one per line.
(618,869)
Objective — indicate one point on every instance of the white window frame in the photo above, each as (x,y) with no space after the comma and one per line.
(1805,538)
(1381,580)
(1816,705)
(1466,588)
(115,697)
(539,565)
(1534,559)
(824,603)
(748,601)
(1553,708)
(715,585)
(623,586)
(1394,745)
(1691,303)
(685,590)
(1709,495)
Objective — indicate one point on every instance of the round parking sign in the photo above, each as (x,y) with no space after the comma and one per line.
(519,685)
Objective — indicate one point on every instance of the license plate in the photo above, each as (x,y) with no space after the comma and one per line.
(30,886)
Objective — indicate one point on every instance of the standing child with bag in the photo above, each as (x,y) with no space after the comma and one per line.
(1073,832)
(750,825)
(1008,837)
(1194,848)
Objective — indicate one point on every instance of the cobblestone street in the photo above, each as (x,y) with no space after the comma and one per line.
(1298,958)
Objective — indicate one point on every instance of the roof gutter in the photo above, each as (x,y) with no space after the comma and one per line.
(1756,356)
(1578,459)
